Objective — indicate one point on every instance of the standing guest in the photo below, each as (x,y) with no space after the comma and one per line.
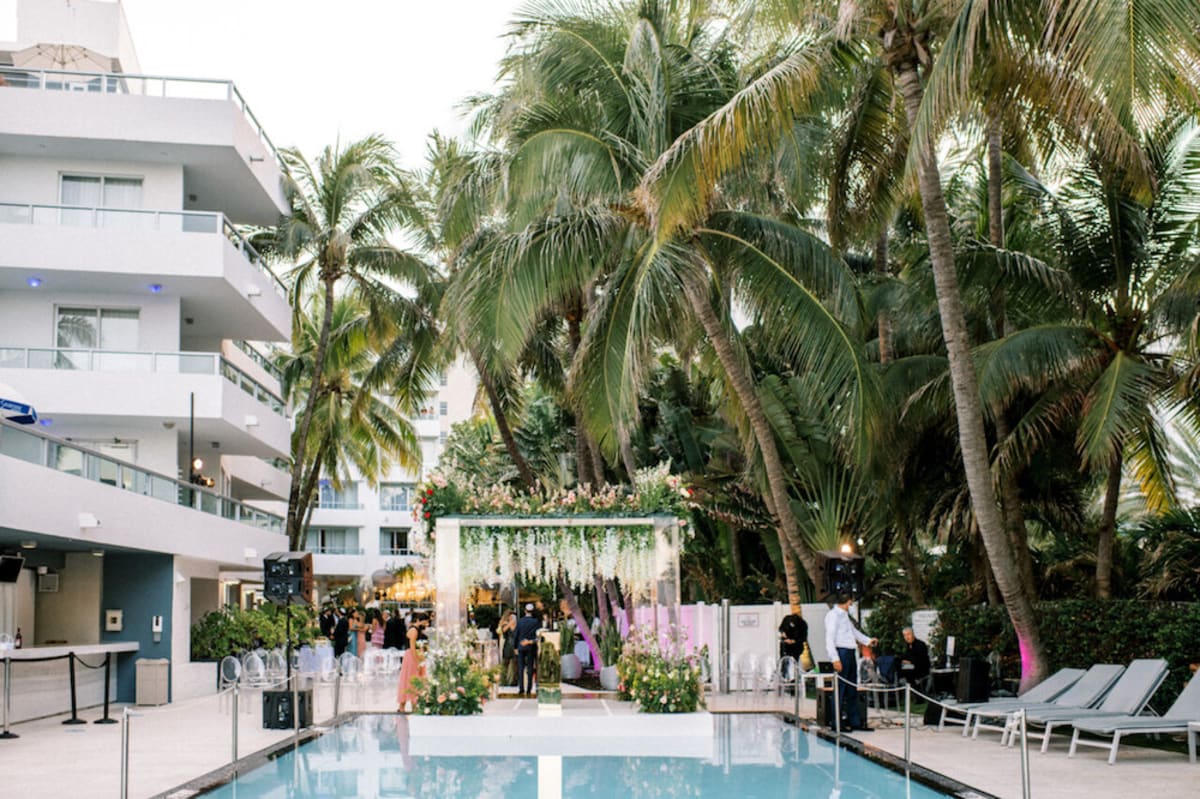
(376,630)
(412,667)
(507,633)
(793,632)
(841,642)
(341,633)
(394,632)
(358,630)
(326,622)
(526,632)
(914,663)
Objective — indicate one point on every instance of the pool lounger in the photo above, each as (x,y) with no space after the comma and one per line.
(1128,697)
(1087,691)
(1185,709)
(1044,691)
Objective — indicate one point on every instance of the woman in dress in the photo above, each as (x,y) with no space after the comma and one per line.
(413,666)
(357,643)
(376,630)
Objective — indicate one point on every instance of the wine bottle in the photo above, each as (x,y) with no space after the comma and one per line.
(17,640)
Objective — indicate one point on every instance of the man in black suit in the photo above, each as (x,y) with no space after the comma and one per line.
(527,630)
(325,620)
(914,663)
(394,632)
(341,633)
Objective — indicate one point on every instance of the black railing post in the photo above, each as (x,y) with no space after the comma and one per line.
(74,715)
(107,665)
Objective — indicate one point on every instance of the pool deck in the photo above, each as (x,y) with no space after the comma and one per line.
(173,744)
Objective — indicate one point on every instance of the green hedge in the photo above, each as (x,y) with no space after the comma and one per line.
(1081,632)
(231,630)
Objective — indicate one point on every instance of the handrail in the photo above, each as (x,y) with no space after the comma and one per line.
(339,505)
(260,359)
(101,217)
(69,358)
(336,550)
(129,83)
(34,446)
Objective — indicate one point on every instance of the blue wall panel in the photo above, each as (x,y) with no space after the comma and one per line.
(142,585)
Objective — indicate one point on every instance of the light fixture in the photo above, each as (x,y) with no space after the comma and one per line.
(256,159)
(98,553)
(168,425)
(155,288)
(253,291)
(29,545)
(45,421)
(87,520)
(847,549)
(197,464)
(250,553)
(33,282)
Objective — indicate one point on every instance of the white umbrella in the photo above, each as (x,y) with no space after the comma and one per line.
(69,57)
(14,407)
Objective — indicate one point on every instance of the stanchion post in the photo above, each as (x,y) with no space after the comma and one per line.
(107,666)
(837,702)
(337,688)
(797,686)
(908,724)
(71,670)
(7,698)
(1024,757)
(125,755)
(234,731)
(723,649)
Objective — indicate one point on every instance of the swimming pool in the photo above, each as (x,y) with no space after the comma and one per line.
(749,757)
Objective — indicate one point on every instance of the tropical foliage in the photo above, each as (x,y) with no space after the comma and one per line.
(454,684)
(661,676)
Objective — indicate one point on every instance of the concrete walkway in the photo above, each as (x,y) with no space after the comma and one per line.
(174,744)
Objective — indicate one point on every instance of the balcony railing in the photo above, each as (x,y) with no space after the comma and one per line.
(142,85)
(397,551)
(260,359)
(282,464)
(40,449)
(202,363)
(336,504)
(138,219)
(335,550)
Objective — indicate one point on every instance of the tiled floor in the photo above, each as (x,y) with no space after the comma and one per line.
(173,744)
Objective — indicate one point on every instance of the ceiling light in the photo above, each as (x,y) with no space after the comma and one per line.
(98,553)
(155,288)
(44,422)
(33,282)
(29,545)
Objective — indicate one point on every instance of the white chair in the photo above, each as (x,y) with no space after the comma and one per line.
(766,676)
(374,663)
(787,672)
(230,671)
(254,671)
(747,667)
(276,667)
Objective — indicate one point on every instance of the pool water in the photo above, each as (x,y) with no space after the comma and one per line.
(748,757)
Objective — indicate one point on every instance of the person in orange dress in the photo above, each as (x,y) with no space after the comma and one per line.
(413,666)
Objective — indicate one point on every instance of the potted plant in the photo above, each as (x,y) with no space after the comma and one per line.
(610,652)
(572,668)
(548,669)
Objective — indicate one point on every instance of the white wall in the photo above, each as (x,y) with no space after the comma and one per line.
(36,180)
(29,316)
(72,614)
(191,679)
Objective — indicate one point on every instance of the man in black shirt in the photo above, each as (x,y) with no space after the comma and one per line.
(914,663)
(527,630)
(341,633)
(793,632)
(325,620)
(394,632)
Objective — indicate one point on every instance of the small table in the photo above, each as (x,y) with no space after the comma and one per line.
(1193,732)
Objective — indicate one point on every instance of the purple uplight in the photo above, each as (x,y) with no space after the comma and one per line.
(33,282)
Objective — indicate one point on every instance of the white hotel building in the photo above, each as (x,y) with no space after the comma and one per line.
(127,297)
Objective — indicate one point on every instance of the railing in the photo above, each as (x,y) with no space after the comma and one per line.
(282,464)
(338,504)
(397,551)
(138,219)
(35,447)
(395,505)
(206,363)
(335,550)
(260,359)
(141,85)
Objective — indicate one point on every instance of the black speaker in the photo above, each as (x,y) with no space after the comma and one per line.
(277,709)
(288,578)
(10,568)
(973,677)
(841,572)
(825,707)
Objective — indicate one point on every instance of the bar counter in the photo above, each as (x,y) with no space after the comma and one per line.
(43,688)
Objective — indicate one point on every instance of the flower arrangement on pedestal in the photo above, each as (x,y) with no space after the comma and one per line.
(661,676)
(453,685)
(545,551)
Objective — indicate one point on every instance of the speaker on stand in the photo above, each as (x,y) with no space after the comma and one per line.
(287,581)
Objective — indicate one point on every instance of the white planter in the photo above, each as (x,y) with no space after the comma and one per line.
(572,669)
(609,679)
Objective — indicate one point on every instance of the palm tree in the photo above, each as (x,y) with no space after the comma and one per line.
(356,423)
(343,209)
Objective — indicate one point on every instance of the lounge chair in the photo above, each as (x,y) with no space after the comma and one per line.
(1185,709)
(1044,691)
(1086,692)
(1127,697)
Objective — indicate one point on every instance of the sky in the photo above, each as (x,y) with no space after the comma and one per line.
(316,70)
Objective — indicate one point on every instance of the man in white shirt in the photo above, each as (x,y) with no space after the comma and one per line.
(841,642)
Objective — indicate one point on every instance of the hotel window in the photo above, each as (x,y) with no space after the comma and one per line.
(443,408)
(395,496)
(333,540)
(103,192)
(393,541)
(94,329)
(338,499)
(443,380)
(442,436)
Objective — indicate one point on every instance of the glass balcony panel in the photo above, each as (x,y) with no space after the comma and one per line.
(106,471)
(126,219)
(67,459)
(123,361)
(164,489)
(12,357)
(13,214)
(21,445)
(196,223)
(209,503)
(196,363)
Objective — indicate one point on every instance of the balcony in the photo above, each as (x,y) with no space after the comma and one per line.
(257,478)
(52,487)
(229,162)
(223,284)
(78,385)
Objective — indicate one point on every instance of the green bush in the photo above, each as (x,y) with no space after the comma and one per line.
(454,684)
(1078,633)
(231,630)
(886,622)
(660,678)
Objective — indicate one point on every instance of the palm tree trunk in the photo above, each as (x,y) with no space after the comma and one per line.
(308,491)
(1012,509)
(968,410)
(1108,531)
(743,385)
(912,570)
(584,458)
(295,519)
(885,319)
(506,434)
(790,578)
